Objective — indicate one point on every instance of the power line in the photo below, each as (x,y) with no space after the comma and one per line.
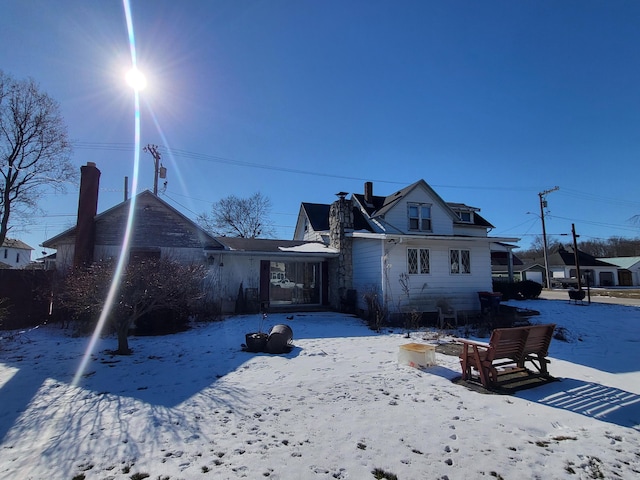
(598,224)
(128,147)
(228,161)
(598,198)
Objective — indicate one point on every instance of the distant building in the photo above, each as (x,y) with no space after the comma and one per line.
(628,270)
(15,254)
(562,267)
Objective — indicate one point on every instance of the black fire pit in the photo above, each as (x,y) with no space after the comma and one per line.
(256,342)
(277,341)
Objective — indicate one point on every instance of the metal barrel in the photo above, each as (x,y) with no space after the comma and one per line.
(280,338)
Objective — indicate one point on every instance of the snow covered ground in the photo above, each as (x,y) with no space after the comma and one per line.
(193,405)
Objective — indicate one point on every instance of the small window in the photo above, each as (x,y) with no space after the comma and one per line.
(417,261)
(18,257)
(460,261)
(419,217)
(6,252)
(465,216)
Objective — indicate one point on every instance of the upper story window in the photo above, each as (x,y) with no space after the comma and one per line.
(18,257)
(465,216)
(419,217)
(6,252)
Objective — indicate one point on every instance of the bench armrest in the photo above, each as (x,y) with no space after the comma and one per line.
(472,342)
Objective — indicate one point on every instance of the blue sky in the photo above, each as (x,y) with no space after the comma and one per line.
(489,102)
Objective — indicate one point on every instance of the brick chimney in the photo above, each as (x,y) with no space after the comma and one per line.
(87,209)
(368,193)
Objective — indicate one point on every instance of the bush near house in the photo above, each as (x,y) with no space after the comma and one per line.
(4,310)
(524,290)
(155,295)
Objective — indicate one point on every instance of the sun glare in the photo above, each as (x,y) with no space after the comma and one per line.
(136,79)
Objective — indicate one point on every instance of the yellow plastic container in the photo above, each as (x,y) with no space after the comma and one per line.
(417,355)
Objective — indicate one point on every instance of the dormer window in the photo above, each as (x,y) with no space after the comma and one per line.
(465,217)
(419,217)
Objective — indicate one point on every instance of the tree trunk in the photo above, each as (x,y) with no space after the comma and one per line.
(123,339)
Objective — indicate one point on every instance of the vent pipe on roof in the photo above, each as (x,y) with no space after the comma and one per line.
(87,209)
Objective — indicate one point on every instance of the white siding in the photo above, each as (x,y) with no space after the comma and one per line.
(16,258)
(441,222)
(367,267)
(468,230)
(235,269)
(64,257)
(425,290)
(312,236)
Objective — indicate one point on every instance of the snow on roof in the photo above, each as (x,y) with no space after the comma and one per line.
(309,248)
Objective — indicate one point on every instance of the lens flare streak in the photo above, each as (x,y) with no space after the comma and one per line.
(124,252)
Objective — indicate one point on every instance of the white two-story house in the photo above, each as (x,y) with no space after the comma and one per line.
(15,253)
(411,249)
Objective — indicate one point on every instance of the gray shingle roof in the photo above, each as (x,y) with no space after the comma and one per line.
(14,243)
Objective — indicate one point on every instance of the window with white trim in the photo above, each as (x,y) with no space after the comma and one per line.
(417,261)
(460,261)
(465,217)
(419,217)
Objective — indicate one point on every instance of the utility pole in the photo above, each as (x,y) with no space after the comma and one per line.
(575,251)
(543,205)
(153,150)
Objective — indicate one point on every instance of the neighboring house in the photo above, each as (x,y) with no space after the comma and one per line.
(47,262)
(563,271)
(410,250)
(628,270)
(15,254)
(500,262)
(159,230)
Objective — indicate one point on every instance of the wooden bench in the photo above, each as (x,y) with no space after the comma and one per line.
(507,347)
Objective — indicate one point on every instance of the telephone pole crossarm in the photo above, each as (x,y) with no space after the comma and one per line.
(543,205)
(153,150)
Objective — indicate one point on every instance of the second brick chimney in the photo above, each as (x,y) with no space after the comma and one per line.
(368,193)
(87,210)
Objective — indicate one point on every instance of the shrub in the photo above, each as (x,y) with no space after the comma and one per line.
(154,294)
(376,313)
(509,290)
(162,322)
(529,289)
(526,289)
(4,309)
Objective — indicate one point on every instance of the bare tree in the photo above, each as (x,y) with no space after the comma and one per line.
(536,251)
(34,148)
(612,247)
(239,217)
(148,286)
